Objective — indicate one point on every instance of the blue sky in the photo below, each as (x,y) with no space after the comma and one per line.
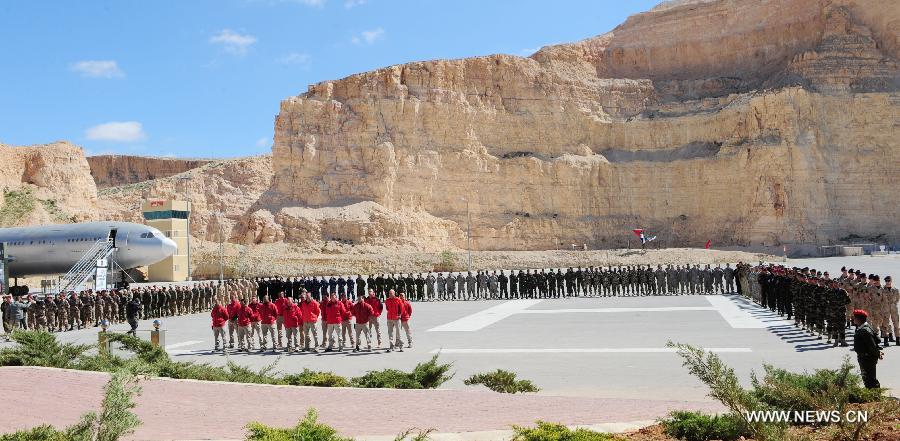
(204,78)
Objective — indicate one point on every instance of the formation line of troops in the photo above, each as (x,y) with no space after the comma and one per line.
(823,305)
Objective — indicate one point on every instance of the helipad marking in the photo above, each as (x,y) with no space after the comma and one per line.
(182,344)
(487,317)
(577,350)
(608,310)
(735,316)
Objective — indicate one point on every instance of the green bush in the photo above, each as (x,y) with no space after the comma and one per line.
(696,426)
(40,348)
(824,389)
(386,378)
(557,432)
(432,374)
(308,429)
(502,381)
(427,375)
(39,433)
(724,386)
(316,378)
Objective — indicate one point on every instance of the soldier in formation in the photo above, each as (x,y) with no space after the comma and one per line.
(823,306)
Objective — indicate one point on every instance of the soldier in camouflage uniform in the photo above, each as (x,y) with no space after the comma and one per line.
(50,311)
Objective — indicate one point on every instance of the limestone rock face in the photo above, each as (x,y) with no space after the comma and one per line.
(115,170)
(744,122)
(221,193)
(52,183)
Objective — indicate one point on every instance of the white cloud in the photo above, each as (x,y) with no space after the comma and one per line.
(354,3)
(368,37)
(98,69)
(265,141)
(233,42)
(314,3)
(126,131)
(295,58)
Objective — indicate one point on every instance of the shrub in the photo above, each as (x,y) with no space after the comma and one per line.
(724,386)
(39,433)
(316,378)
(824,389)
(308,429)
(432,374)
(502,381)
(695,426)
(557,432)
(386,378)
(40,348)
(427,375)
(412,435)
(116,418)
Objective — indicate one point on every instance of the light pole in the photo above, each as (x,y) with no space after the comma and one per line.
(468,234)
(185,180)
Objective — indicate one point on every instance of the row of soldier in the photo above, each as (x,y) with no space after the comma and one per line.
(638,280)
(824,306)
(88,308)
(66,312)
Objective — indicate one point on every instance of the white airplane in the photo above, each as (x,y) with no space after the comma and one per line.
(54,249)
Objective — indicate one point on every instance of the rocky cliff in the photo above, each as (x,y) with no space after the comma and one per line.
(115,170)
(744,122)
(48,183)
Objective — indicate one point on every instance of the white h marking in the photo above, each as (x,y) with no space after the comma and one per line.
(482,319)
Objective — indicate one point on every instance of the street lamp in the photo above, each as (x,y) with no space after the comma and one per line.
(185,180)
(468,234)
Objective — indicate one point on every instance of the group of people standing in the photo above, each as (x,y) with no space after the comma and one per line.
(826,306)
(294,326)
(635,280)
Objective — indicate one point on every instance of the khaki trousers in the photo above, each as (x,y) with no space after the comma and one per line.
(393,327)
(332,331)
(219,334)
(373,324)
(293,338)
(362,328)
(309,329)
(265,332)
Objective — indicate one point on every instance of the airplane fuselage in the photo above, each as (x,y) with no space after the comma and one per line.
(54,249)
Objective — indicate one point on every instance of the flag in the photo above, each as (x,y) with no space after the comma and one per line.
(708,243)
(651,238)
(638,231)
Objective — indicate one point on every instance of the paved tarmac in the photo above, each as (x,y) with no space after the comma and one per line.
(597,347)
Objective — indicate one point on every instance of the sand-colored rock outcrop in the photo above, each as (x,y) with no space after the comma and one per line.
(47,183)
(744,122)
(115,170)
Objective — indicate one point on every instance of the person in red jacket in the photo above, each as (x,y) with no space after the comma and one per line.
(219,318)
(334,313)
(346,320)
(244,315)
(394,306)
(267,314)
(373,301)
(291,316)
(233,308)
(279,320)
(255,332)
(309,308)
(405,314)
(363,314)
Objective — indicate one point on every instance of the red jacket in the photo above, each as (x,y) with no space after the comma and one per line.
(310,311)
(267,313)
(406,313)
(393,305)
(255,306)
(219,316)
(363,312)
(291,314)
(334,312)
(233,309)
(375,304)
(279,305)
(348,306)
(245,315)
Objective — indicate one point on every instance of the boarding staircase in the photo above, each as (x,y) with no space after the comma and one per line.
(87,265)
